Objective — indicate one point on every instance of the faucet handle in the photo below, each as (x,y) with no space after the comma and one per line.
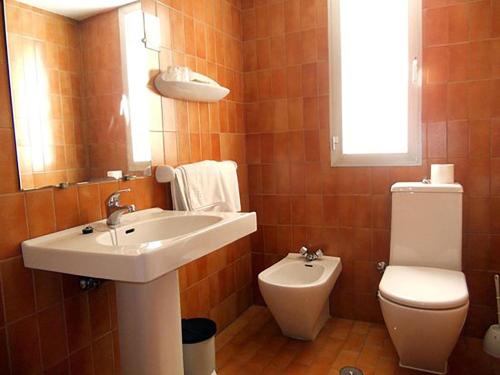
(303,250)
(319,253)
(114,198)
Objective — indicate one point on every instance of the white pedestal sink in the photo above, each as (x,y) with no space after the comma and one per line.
(142,255)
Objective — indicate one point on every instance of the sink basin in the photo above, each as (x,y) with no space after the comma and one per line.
(148,233)
(147,245)
(142,255)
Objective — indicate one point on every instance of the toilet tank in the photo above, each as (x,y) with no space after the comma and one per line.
(426,225)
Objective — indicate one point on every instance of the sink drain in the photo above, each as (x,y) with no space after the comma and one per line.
(350,371)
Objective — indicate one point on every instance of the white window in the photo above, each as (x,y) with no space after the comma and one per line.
(135,72)
(375,79)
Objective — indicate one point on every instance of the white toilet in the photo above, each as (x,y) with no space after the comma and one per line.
(296,292)
(423,294)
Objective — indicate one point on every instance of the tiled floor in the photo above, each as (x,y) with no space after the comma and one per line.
(253,344)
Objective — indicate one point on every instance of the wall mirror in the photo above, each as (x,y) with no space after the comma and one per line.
(79,77)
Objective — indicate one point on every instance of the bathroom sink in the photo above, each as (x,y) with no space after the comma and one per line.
(149,232)
(142,254)
(147,245)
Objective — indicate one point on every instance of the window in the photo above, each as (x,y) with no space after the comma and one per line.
(375,79)
(135,71)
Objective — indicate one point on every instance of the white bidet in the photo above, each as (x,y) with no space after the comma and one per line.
(297,291)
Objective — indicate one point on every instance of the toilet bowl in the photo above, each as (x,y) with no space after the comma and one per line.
(423,293)
(296,292)
(424,310)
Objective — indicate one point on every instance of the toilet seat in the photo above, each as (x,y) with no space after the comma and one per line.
(424,287)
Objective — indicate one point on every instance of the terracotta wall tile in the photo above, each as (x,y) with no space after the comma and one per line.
(52,336)
(102,355)
(89,203)
(457,101)
(435,26)
(81,361)
(495,215)
(9,181)
(495,138)
(458,139)
(17,289)
(77,322)
(479,139)
(480,19)
(459,110)
(458,27)
(24,346)
(66,208)
(48,288)
(458,61)
(436,140)
(99,315)
(40,212)
(4,355)
(13,220)
(477,215)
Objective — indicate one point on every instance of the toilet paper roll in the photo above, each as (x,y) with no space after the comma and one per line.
(442,173)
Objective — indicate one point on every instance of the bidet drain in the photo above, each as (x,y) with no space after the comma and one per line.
(350,371)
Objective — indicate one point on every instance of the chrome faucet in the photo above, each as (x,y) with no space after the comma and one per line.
(114,210)
(309,254)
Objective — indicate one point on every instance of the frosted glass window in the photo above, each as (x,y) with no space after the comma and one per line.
(375,80)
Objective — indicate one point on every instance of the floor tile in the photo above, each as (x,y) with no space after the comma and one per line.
(254,344)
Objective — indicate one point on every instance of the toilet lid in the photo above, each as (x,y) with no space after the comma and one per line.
(424,287)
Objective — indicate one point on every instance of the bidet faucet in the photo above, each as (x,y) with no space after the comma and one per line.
(309,254)
(114,210)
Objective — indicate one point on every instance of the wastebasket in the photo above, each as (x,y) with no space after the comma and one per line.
(198,346)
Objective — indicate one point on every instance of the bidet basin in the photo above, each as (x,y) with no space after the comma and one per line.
(298,274)
(296,292)
(147,245)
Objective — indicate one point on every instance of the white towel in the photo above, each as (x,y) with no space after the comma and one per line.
(206,186)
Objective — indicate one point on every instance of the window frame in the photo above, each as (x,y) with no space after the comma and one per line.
(414,155)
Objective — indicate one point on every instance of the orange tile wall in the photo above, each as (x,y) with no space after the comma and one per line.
(206,36)
(102,93)
(46,324)
(300,199)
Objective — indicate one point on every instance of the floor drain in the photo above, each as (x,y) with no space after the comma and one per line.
(350,371)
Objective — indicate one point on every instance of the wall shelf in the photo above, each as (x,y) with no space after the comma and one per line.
(183,83)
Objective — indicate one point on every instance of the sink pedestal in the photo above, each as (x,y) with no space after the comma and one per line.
(142,257)
(149,316)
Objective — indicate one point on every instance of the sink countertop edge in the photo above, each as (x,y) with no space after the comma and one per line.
(140,267)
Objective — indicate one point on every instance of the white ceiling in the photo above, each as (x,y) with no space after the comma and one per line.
(76,9)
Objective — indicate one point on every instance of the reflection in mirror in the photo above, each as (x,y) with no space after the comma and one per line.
(80,100)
